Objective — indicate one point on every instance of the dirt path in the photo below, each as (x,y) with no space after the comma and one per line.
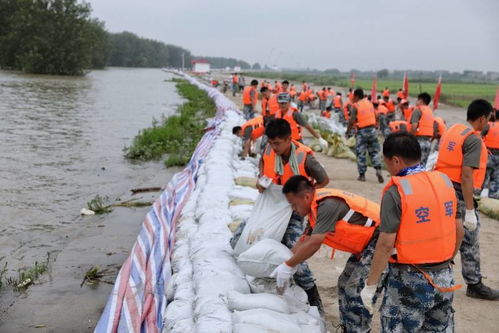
(343,175)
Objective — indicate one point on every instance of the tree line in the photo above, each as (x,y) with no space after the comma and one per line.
(60,37)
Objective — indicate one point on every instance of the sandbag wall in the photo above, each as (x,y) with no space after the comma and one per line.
(208,292)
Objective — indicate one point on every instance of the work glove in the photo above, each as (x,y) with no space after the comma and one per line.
(323,143)
(283,274)
(470,220)
(367,295)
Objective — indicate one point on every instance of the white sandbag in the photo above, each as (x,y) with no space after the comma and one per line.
(240,302)
(269,219)
(263,257)
(271,320)
(432,160)
(250,328)
(244,192)
(241,212)
(212,315)
(176,311)
(181,326)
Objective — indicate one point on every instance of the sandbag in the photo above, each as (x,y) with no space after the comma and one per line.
(263,257)
(271,320)
(241,302)
(246,181)
(269,219)
(250,328)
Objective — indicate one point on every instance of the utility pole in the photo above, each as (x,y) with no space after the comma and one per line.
(183,61)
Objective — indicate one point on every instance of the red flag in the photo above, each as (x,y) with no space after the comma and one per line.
(438,91)
(496,100)
(352,80)
(405,86)
(373,90)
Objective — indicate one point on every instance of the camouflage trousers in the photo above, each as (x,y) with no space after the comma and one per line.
(367,141)
(425,144)
(341,116)
(383,125)
(303,276)
(492,177)
(412,304)
(470,247)
(353,314)
(249,112)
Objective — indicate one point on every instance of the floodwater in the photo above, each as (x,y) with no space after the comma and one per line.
(61,142)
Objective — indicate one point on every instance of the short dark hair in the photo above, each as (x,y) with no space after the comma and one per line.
(254,82)
(278,128)
(297,184)
(404,145)
(425,97)
(358,93)
(263,89)
(477,109)
(285,82)
(236,129)
(338,94)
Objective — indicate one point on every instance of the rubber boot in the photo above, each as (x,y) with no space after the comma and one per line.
(380,176)
(361,178)
(314,299)
(481,291)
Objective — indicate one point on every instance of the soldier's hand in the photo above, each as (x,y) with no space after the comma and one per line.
(470,220)
(367,295)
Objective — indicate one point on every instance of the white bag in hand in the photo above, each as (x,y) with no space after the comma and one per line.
(269,219)
(261,259)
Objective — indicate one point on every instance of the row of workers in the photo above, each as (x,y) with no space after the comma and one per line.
(417,229)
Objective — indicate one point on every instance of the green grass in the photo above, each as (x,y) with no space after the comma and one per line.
(177,135)
(100,205)
(27,276)
(453,93)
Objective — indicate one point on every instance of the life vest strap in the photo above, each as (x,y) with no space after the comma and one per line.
(433,284)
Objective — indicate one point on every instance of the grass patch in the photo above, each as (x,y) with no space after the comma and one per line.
(27,276)
(453,93)
(178,134)
(100,205)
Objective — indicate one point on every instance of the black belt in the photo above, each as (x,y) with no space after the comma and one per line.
(371,126)
(433,267)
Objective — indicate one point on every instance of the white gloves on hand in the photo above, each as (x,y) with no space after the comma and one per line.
(264,181)
(283,274)
(470,220)
(323,143)
(367,295)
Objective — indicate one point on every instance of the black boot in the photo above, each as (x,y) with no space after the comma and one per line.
(481,291)
(314,299)
(380,176)
(361,178)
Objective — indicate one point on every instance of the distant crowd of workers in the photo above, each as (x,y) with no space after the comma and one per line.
(402,249)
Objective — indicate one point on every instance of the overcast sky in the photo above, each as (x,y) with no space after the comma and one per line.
(395,34)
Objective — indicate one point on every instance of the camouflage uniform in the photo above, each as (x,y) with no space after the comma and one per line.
(367,139)
(493,176)
(412,304)
(470,247)
(353,314)
(249,112)
(383,125)
(425,144)
(303,276)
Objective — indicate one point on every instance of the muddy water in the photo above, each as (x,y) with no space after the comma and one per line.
(61,142)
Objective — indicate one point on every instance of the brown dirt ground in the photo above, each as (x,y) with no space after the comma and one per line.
(343,175)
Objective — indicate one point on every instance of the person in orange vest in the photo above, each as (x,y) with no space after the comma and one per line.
(311,97)
(282,159)
(304,86)
(292,92)
(422,125)
(363,116)
(322,94)
(250,98)
(398,126)
(326,113)
(350,95)
(343,221)
(278,87)
(491,139)
(419,237)
(235,84)
(250,131)
(405,110)
(302,99)
(338,103)
(296,120)
(381,112)
(463,158)
(400,94)
(439,128)
(390,105)
(386,92)
(285,86)
(265,104)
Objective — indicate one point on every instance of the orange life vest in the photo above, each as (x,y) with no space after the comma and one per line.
(322,95)
(268,167)
(425,126)
(492,138)
(386,93)
(390,106)
(292,91)
(366,116)
(396,126)
(295,127)
(427,231)
(348,237)
(346,110)
(235,79)
(326,114)
(273,108)
(247,99)
(381,109)
(400,94)
(350,96)
(265,104)
(257,125)
(303,96)
(408,113)
(337,101)
(450,155)
(441,125)
(278,87)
